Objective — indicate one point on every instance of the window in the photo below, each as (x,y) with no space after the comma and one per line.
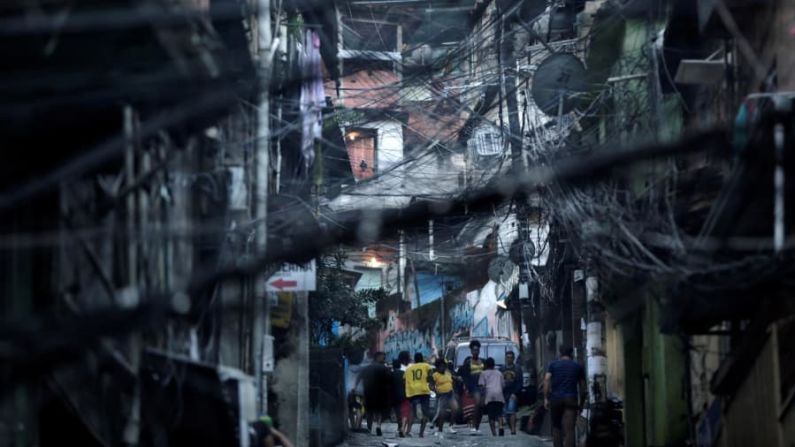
(497,352)
(487,142)
(367,35)
(461,355)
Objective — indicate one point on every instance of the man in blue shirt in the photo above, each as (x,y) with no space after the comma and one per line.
(561,393)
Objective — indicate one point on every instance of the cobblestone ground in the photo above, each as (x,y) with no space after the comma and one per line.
(463,438)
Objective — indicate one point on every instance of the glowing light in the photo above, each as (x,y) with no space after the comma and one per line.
(374,262)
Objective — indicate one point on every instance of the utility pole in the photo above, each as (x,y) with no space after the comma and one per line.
(261,303)
(132,429)
(302,354)
(594,342)
(783,110)
(508,76)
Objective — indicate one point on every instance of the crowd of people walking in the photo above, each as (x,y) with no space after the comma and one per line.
(405,391)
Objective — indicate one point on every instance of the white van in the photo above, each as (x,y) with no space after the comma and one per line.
(457,350)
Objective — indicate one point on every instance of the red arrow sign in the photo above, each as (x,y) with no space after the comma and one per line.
(281,283)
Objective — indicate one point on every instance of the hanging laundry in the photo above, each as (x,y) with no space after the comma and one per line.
(312,96)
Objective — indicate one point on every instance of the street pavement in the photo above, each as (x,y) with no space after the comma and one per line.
(463,438)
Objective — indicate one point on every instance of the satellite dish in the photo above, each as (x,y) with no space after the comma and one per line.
(559,81)
(500,269)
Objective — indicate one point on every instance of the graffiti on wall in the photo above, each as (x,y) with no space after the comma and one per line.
(474,313)
(460,318)
(411,340)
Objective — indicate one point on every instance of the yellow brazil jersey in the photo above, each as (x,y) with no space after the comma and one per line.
(443,382)
(475,367)
(417,379)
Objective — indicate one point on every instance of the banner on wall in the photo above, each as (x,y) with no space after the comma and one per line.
(282,310)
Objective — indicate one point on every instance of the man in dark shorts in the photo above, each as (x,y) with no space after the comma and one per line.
(492,386)
(418,390)
(377,381)
(470,373)
(512,374)
(561,393)
(398,399)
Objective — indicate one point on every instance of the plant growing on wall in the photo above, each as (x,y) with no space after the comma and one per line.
(337,302)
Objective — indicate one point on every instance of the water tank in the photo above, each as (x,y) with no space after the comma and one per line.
(561,24)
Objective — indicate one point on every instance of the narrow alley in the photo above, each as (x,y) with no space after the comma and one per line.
(462,438)
(275,222)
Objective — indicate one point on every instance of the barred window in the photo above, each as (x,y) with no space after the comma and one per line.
(487,142)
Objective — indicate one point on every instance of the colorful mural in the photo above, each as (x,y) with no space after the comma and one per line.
(474,313)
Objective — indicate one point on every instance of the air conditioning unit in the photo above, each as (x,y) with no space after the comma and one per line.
(188,402)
